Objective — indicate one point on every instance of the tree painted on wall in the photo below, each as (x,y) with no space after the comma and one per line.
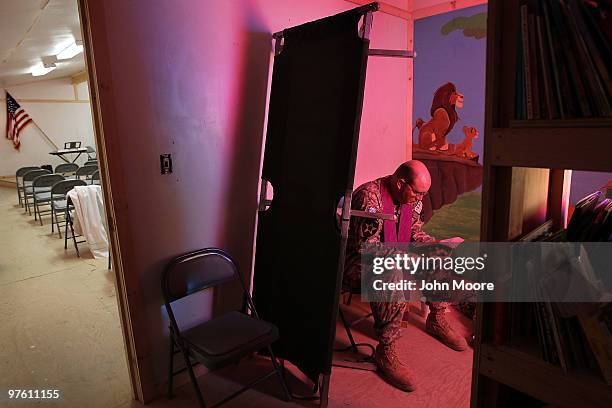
(474,26)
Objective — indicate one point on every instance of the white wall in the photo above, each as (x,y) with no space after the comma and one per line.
(53,106)
(197,89)
(387,110)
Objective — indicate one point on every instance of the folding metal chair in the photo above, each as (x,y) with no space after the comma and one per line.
(85,172)
(59,202)
(41,187)
(222,340)
(91,163)
(70,224)
(19,181)
(95,178)
(91,153)
(28,191)
(66,169)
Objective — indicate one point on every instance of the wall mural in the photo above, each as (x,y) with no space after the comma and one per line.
(448,104)
(451,49)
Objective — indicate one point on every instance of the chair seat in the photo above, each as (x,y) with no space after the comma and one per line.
(229,337)
(30,189)
(59,205)
(43,196)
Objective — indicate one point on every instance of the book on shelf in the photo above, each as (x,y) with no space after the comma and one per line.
(575,337)
(557,73)
(598,333)
(526,60)
(519,100)
(564,64)
(534,70)
(549,108)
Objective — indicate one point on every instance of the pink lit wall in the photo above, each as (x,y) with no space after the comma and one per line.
(384,126)
(189,77)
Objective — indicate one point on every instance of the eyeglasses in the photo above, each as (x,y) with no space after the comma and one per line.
(420,194)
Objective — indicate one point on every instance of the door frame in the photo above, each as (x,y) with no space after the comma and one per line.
(108,143)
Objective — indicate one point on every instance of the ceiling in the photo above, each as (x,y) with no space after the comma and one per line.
(32,29)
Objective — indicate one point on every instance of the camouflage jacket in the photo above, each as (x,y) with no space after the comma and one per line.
(367,197)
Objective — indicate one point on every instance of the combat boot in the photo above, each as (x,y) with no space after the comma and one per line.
(438,326)
(392,369)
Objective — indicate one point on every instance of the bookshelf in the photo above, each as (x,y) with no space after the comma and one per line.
(527,166)
(548,383)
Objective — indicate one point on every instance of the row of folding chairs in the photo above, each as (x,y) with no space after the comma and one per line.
(46,193)
(88,172)
(73,170)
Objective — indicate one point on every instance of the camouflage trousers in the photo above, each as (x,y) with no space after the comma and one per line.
(388,312)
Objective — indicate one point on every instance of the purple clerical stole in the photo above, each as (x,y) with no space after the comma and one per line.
(390,232)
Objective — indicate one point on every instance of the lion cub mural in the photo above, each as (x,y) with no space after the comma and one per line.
(464,149)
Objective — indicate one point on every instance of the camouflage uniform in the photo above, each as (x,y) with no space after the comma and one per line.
(367,197)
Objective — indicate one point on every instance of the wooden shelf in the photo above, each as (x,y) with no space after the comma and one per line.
(525,184)
(571,148)
(548,383)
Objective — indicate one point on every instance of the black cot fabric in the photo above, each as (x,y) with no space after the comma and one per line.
(310,153)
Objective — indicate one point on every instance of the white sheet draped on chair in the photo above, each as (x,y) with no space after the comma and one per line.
(89,219)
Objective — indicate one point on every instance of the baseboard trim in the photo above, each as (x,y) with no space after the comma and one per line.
(7,181)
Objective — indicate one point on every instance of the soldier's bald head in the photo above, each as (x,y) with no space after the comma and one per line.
(415,173)
(410,182)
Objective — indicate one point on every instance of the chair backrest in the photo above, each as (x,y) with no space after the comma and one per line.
(20,172)
(196,271)
(91,153)
(86,171)
(65,168)
(47,180)
(32,174)
(64,186)
(91,163)
(95,176)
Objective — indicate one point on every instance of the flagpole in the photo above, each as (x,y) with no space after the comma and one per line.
(45,135)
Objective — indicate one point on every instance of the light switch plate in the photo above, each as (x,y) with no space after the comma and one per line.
(165,163)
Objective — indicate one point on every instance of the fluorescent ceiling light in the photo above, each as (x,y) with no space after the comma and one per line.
(70,51)
(40,69)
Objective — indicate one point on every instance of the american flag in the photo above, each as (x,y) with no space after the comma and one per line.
(16,120)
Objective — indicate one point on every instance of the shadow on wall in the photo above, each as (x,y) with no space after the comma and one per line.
(236,235)
(240,201)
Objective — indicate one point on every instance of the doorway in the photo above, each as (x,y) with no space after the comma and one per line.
(62,328)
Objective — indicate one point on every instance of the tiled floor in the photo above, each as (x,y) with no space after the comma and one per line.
(60,330)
